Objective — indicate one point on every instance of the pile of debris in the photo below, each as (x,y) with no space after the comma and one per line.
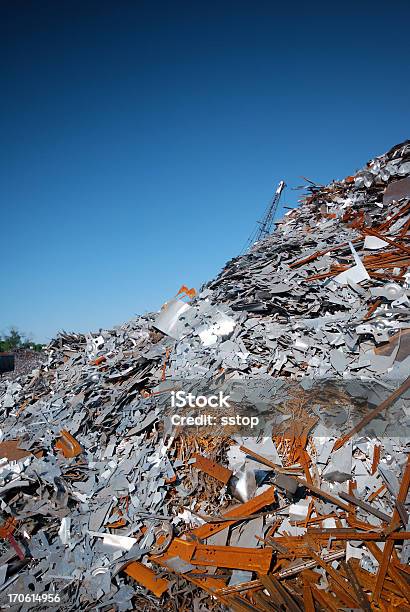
(291,496)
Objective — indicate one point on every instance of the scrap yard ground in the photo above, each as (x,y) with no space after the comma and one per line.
(107,505)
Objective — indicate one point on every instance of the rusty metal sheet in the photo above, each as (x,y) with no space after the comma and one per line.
(212,468)
(11,450)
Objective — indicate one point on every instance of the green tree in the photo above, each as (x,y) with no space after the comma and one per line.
(14,340)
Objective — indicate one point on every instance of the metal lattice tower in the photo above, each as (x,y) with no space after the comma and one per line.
(264,227)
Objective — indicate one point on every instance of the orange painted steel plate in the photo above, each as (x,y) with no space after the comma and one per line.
(145,576)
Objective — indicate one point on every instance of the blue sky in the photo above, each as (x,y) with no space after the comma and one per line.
(141,141)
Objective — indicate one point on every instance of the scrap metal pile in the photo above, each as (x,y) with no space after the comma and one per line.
(107,504)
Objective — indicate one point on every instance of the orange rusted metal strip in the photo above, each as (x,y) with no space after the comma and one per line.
(308,259)
(237,588)
(261,602)
(307,594)
(370,269)
(145,394)
(145,576)
(354,523)
(16,547)
(314,256)
(212,468)
(234,557)
(386,256)
(376,493)
(210,584)
(24,406)
(304,458)
(351,517)
(325,274)
(247,509)
(372,308)
(236,603)
(341,595)
(401,567)
(376,458)
(405,230)
(386,263)
(295,567)
(389,277)
(98,360)
(387,551)
(262,459)
(311,507)
(344,533)
(357,223)
(315,519)
(68,445)
(117,524)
